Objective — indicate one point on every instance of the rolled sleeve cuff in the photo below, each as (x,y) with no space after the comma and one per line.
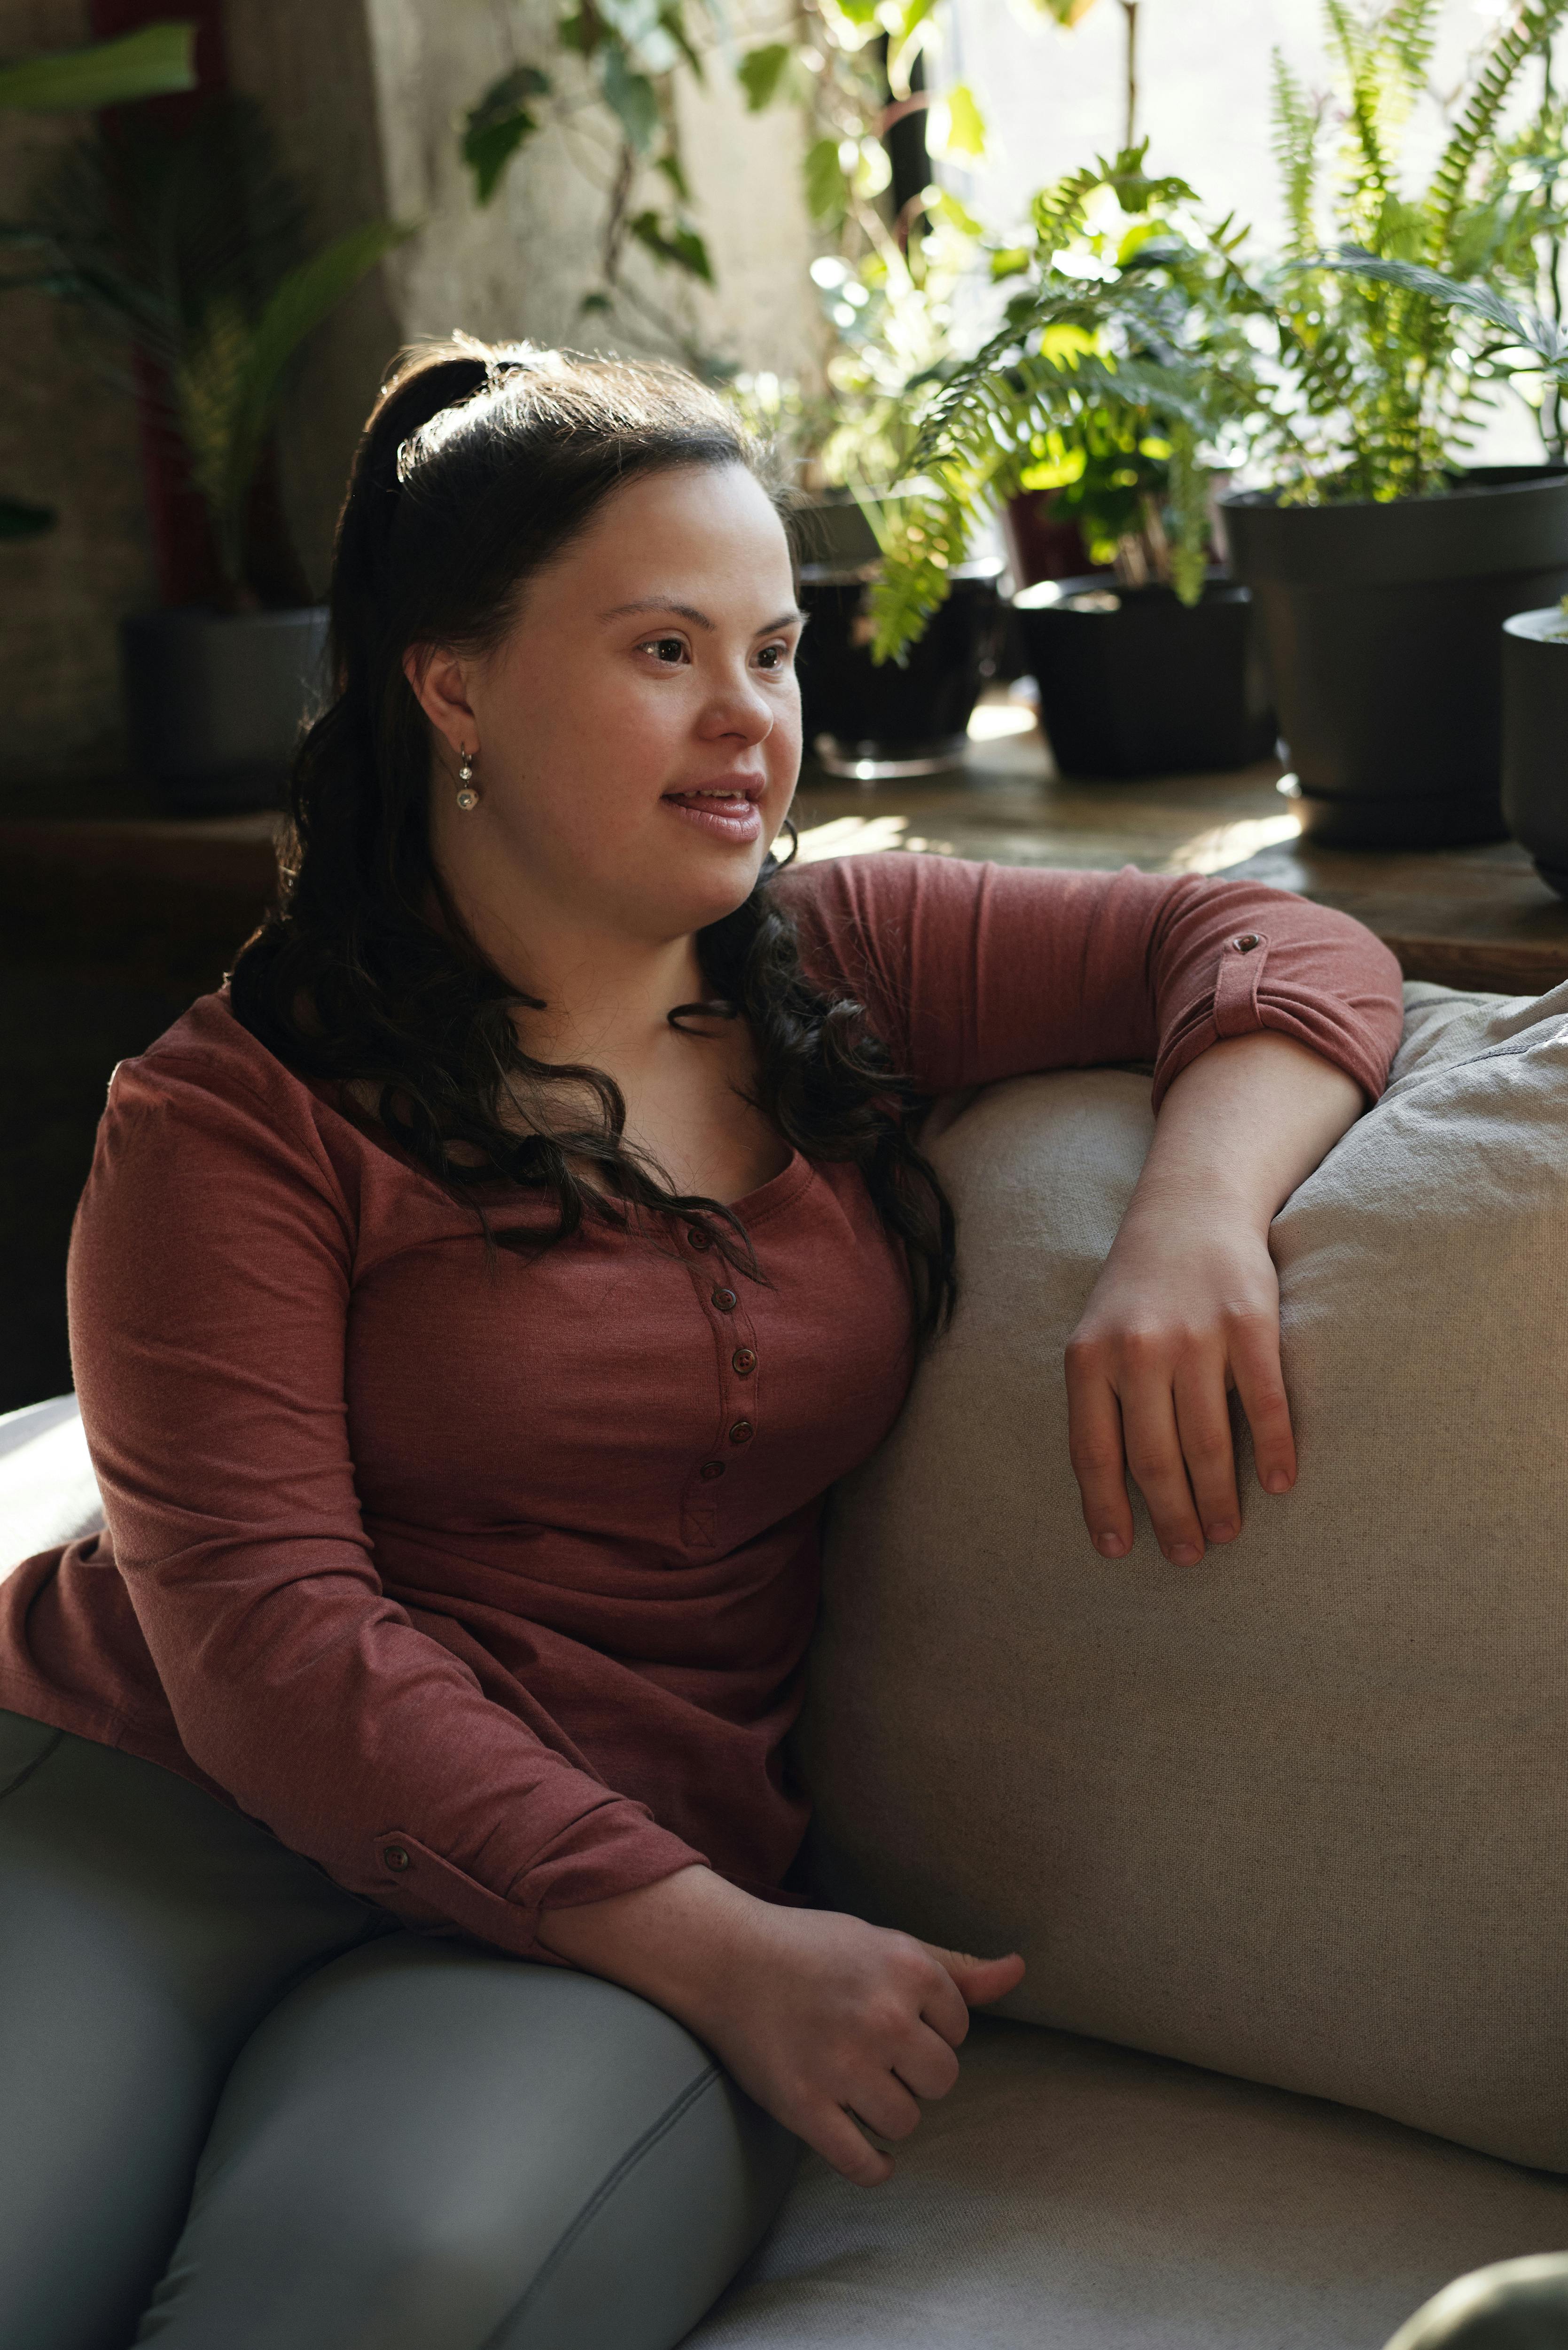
(616,1849)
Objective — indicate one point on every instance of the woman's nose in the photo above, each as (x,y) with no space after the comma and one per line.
(741,708)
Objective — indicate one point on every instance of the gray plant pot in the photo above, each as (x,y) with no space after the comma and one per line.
(1381,625)
(1535,738)
(215,702)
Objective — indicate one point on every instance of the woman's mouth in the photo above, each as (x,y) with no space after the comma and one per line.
(724,812)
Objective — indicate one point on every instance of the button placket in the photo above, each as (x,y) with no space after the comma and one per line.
(737,1359)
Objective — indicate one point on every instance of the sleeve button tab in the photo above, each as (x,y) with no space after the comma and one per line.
(1247,941)
(395,1856)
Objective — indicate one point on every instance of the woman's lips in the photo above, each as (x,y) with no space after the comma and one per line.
(735,819)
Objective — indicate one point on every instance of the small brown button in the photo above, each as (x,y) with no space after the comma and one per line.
(395,1856)
(725,1300)
(710,1469)
(1247,941)
(743,1361)
(740,1432)
(697,1238)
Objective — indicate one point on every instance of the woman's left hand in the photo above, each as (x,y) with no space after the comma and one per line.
(1187,1309)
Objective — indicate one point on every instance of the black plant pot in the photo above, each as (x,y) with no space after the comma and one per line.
(1535,738)
(1132,682)
(215,702)
(867,722)
(1382,625)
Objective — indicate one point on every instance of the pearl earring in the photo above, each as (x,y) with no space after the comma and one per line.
(467,797)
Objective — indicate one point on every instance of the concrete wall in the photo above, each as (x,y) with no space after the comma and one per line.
(364,96)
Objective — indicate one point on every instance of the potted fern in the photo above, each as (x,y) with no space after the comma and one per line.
(1121,372)
(191,244)
(1382,565)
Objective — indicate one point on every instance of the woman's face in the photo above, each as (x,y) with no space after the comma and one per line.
(638,731)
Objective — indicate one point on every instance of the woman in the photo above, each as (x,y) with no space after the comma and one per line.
(470,1307)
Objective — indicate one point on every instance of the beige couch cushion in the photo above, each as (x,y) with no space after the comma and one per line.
(1069,2195)
(1299,1813)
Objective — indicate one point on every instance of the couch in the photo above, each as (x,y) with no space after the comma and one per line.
(1282,1837)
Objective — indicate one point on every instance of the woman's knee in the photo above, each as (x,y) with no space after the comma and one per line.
(430,2146)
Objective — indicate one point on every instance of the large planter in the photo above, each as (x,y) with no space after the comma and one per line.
(1382,624)
(1535,738)
(215,702)
(872,722)
(1135,682)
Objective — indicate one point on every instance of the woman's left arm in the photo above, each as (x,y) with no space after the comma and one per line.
(1188,1306)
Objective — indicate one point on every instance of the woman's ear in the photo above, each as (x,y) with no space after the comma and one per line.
(439,679)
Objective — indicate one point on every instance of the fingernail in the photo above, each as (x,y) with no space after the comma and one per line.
(1276,1481)
(1112,1545)
(1221,1532)
(1184,1555)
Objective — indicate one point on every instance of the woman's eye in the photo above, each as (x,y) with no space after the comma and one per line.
(668,648)
(777,657)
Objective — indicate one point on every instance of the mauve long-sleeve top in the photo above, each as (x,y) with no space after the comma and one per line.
(486,1580)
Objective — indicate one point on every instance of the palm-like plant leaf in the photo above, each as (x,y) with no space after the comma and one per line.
(1527,330)
(152,63)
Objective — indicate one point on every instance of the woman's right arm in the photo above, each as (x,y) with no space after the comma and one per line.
(820,2017)
(210,1278)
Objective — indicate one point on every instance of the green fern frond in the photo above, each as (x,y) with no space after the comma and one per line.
(1296,123)
(1529,34)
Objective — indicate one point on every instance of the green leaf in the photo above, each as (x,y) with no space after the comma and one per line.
(498,125)
(595,302)
(254,377)
(580,30)
(680,247)
(152,63)
(760,72)
(20,518)
(631,98)
(956,125)
(670,165)
(827,190)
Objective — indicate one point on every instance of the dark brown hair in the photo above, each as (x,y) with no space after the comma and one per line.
(478,465)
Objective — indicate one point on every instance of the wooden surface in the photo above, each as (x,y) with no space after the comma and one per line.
(167,901)
(1473,918)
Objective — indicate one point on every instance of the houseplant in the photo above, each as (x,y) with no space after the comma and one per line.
(191,244)
(897,248)
(152,63)
(1382,566)
(1121,370)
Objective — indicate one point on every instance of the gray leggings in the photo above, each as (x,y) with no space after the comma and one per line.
(242,2109)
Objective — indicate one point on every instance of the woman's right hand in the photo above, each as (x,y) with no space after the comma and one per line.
(823,2019)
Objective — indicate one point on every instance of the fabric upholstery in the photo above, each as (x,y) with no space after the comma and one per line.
(1071,2195)
(1295,1814)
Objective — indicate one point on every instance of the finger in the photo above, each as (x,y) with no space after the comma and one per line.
(833,2134)
(1094,1450)
(977,1980)
(1203,1428)
(1259,1383)
(929,2066)
(884,2103)
(1154,1456)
